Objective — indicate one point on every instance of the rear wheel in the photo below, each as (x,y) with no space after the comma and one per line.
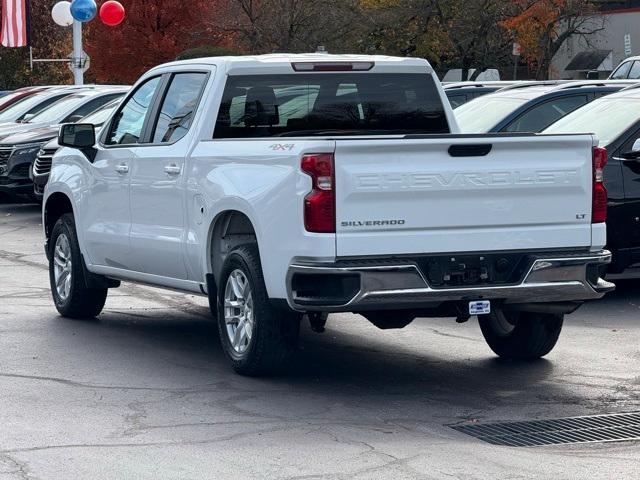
(521,335)
(257,337)
(71,295)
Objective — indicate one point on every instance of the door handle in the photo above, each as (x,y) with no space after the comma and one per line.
(122,168)
(172,169)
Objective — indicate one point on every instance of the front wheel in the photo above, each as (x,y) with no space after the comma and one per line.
(71,295)
(521,335)
(257,337)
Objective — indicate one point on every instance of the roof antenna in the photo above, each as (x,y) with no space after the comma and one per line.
(321,49)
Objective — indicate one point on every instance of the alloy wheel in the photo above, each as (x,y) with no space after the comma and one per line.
(62,266)
(238,311)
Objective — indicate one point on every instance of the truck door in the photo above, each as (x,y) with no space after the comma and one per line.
(158,182)
(107,221)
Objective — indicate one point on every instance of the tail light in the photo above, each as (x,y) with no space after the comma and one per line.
(599,201)
(320,204)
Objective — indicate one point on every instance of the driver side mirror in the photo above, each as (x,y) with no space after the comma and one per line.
(634,153)
(79,135)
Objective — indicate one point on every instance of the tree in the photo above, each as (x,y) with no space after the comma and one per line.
(153,32)
(543,26)
(473,35)
(265,26)
(48,41)
(449,33)
(206,51)
(420,33)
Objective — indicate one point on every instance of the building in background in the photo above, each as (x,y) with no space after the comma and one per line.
(596,55)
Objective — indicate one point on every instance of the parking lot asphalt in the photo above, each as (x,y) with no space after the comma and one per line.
(144,391)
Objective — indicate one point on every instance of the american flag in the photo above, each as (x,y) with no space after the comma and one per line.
(15,23)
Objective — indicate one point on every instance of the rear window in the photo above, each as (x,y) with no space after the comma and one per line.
(330,104)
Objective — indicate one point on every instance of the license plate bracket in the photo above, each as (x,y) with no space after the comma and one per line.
(480,307)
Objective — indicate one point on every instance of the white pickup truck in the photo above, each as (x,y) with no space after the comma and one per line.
(289,185)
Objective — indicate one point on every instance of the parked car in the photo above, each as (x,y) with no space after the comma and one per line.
(460,93)
(20,145)
(41,166)
(17,95)
(31,105)
(201,181)
(615,121)
(629,68)
(532,109)
(70,108)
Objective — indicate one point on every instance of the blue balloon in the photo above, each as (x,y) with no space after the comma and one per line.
(83,10)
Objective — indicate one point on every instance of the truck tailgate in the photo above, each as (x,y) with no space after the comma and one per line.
(474,193)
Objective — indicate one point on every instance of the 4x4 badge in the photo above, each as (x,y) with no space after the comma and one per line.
(282,146)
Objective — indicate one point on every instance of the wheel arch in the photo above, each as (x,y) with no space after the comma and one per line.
(56,205)
(228,229)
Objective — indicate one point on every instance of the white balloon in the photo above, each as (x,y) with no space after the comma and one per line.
(61,14)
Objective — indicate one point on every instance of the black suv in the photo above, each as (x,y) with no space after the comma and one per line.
(615,120)
(531,108)
(460,93)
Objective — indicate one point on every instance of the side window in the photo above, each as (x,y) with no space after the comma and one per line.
(622,71)
(90,106)
(178,107)
(126,127)
(634,73)
(41,106)
(541,116)
(627,146)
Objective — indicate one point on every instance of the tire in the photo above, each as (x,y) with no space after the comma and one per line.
(73,299)
(521,335)
(213,305)
(270,334)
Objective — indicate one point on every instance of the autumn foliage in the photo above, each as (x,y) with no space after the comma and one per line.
(542,26)
(154,31)
(469,35)
(48,41)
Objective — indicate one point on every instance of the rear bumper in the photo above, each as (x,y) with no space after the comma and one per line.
(382,285)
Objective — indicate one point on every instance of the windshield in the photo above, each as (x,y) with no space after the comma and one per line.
(607,118)
(99,116)
(484,113)
(30,104)
(330,104)
(59,109)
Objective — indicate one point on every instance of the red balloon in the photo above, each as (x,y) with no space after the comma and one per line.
(112,13)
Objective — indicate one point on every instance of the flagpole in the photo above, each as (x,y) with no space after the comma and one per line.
(77,60)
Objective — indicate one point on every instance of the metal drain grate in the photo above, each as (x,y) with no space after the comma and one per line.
(596,428)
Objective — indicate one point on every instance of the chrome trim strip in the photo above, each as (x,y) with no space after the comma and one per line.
(550,279)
